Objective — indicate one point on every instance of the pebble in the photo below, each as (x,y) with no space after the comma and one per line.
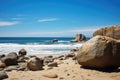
(50,75)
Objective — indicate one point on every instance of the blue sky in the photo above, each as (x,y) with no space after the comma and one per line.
(56,18)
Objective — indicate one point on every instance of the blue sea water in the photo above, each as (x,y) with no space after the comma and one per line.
(37,45)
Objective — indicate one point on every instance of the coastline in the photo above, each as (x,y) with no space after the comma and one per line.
(67,66)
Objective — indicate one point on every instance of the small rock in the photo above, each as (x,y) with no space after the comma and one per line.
(21,69)
(49,68)
(53,64)
(23,64)
(68,74)
(54,40)
(35,64)
(10,59)
(60,56)
(74,50)
(74,58)
(49,56)
(3,75)
(48,59)
(2,65)
(70,55)
(10,68)
(31,56)
(2,55)
(22,59)
(61,78)
(50,75)
(22,52)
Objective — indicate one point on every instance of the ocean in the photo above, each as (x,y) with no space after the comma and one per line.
(37,45)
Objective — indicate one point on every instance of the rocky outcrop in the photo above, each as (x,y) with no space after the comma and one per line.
(100,52)
(10,59)
(54,40)
(113,32)
(79,38)
(35,64)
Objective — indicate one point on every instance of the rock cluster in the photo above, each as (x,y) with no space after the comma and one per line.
(79,38)
(20,62)
(14,61)
(101,51)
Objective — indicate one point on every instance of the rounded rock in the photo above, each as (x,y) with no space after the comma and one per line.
(35,64)
(100,52)
(50,75)
(22,52)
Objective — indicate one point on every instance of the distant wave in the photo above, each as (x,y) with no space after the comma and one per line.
(37,45)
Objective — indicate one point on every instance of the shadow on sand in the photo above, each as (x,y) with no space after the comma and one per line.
(109,70)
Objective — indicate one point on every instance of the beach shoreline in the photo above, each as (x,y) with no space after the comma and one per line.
(67,69)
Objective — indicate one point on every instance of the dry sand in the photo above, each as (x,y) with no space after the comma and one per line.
(66,70)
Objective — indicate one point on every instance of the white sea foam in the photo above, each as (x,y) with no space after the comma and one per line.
(38,48)
(63,41)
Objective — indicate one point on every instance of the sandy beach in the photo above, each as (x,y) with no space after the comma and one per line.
(67,70)
(59,39)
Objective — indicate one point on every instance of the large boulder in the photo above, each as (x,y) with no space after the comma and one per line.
(113,32)
(10,59)
(79,38)
(100,52)
(35,64)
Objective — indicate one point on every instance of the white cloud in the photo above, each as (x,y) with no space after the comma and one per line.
(47,19)
(8,23)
